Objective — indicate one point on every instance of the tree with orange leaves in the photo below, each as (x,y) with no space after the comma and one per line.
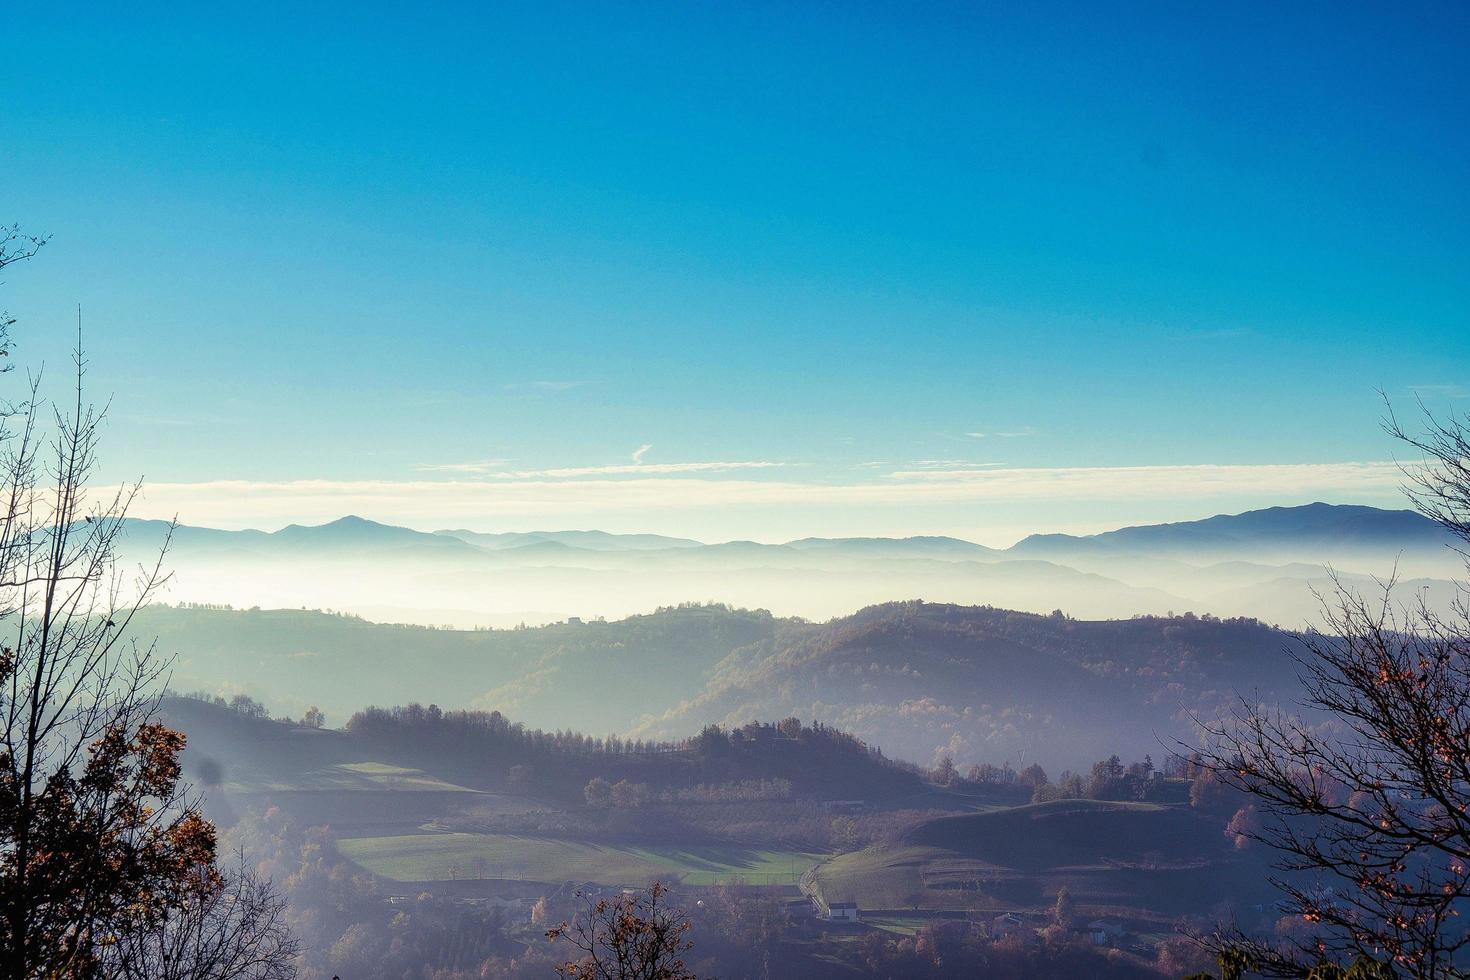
(629,937)
(98,840)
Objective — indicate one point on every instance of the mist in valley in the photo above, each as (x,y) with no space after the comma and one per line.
(787,492)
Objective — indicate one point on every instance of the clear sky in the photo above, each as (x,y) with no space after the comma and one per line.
(745,270)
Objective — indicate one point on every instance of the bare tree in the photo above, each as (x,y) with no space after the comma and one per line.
(626,938)
(98,838)
(15,246)
(234,929)
(1440,485)
(1364,794)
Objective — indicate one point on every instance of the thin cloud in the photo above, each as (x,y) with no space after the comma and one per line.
(495,468)
(585,493)
(476,466)
(952,464)
(636,468)
(1116,482)
(641,451)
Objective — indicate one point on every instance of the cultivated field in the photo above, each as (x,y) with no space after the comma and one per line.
(438,857)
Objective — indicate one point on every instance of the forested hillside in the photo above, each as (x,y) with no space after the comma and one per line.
(915,678)
(921,678)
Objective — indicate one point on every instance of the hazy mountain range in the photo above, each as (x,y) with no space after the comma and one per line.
(1042,650)
(1264,563)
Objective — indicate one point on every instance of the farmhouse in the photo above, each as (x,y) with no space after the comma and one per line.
(1004,925)
(842,912)
(1104,932)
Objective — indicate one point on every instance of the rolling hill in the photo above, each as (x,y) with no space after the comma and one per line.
(1123,859)
(914,678)
(982,683)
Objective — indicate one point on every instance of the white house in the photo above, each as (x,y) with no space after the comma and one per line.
(842,911)
(1104,932)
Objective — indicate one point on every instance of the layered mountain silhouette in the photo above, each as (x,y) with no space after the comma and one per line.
(1264,563)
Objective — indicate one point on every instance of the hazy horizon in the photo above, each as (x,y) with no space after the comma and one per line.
(1044,300)
(448,523)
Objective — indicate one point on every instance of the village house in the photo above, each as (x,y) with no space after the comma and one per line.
(1104,932)
(1005,924)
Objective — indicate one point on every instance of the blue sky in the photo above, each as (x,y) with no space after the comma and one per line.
(955,270)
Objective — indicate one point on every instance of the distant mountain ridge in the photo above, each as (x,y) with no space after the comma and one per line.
(345,534)
(1320,524)
(1335,527)
(1267,563)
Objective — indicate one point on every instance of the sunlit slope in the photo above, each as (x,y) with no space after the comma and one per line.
(1112,856)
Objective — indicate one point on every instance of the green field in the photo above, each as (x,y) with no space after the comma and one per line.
(370,776)
(437,857)
(903,925)
(1113,857)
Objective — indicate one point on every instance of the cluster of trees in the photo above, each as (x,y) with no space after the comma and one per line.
(241,704)
(488,732)
(810,760)
(986,776)
(1109,779)
(1112,779)
(599,793)
(1155,655)
(244,704)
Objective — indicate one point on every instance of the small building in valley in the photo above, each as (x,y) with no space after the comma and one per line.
(1005,924)
(842,912)
(1104,932)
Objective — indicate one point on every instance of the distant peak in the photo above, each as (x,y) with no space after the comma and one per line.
(352,520)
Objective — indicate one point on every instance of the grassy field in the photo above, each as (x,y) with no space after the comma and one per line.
(436,857)
(369,776)
(1112,857)
(1072,833)
(903,925)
